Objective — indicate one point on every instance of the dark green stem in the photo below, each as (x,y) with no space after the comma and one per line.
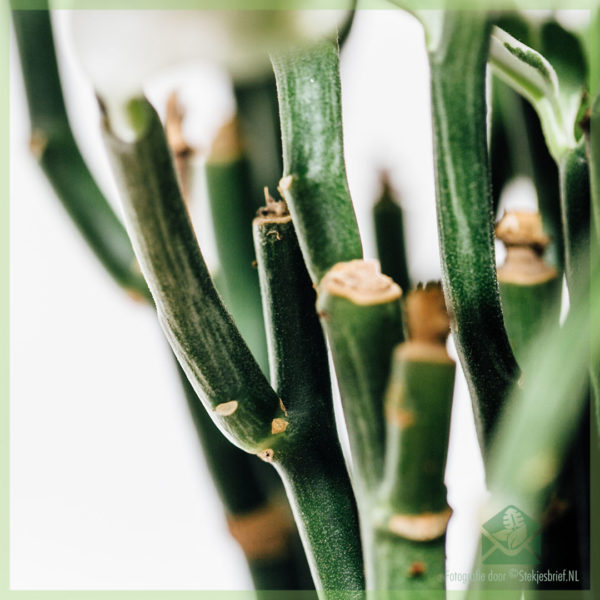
(361,313)
(529,287)
(524,307)
(274,566)
(575,207)
(308,455)
(389,233)
(523,468)
(201,332)
(53,145)
(546,181)
(314,183)
(594,158)
(458,67)
(412,509)
(258,115)
(232,210)
(594,161)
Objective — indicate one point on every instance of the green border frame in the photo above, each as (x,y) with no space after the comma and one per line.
(5,591)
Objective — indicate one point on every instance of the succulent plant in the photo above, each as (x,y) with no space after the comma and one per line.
(260,345)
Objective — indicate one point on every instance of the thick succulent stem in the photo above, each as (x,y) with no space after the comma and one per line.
(232,209)
(258,115)
(389,233)
(529,287)
(594,154)
(575,208)
(547,184)
(309,457)
(594,159)
(458,66)
(258,519)
(54,147)
(523,468)
(531,294)
(201,332)
(361,313)
(410,509)
(314,183)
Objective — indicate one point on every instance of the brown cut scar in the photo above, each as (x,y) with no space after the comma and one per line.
(426,315)
(417,351)
(278,426)
(283,408)
(417,569)
(401,417)
(420,528)
(361,282)
(37,143)
(135,295)
(520,228)
(273,212)
(263,533)
(226,408)
(266,455)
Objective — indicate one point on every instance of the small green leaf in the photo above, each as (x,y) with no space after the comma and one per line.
(530,74)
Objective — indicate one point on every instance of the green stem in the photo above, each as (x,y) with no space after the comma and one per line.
(522,467)
(361,314)
(314,183)
(524,307)
(201,332)
(232,210)
(594,162)
(508,142)
(531,293)
(412,509)
(309,457)
(575,207)
(389,233)
(529,287)
(465,218)
(53,145)
(273,564)
(258,114)
(546,180)
(594,159)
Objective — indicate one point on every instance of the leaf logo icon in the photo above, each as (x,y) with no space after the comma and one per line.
(515,529)
(510,537)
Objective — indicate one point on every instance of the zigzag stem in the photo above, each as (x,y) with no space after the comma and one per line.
(311,462)
(314,183)
(201,332)
(410,508)
(458,66)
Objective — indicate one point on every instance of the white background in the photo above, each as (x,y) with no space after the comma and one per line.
(108,485)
